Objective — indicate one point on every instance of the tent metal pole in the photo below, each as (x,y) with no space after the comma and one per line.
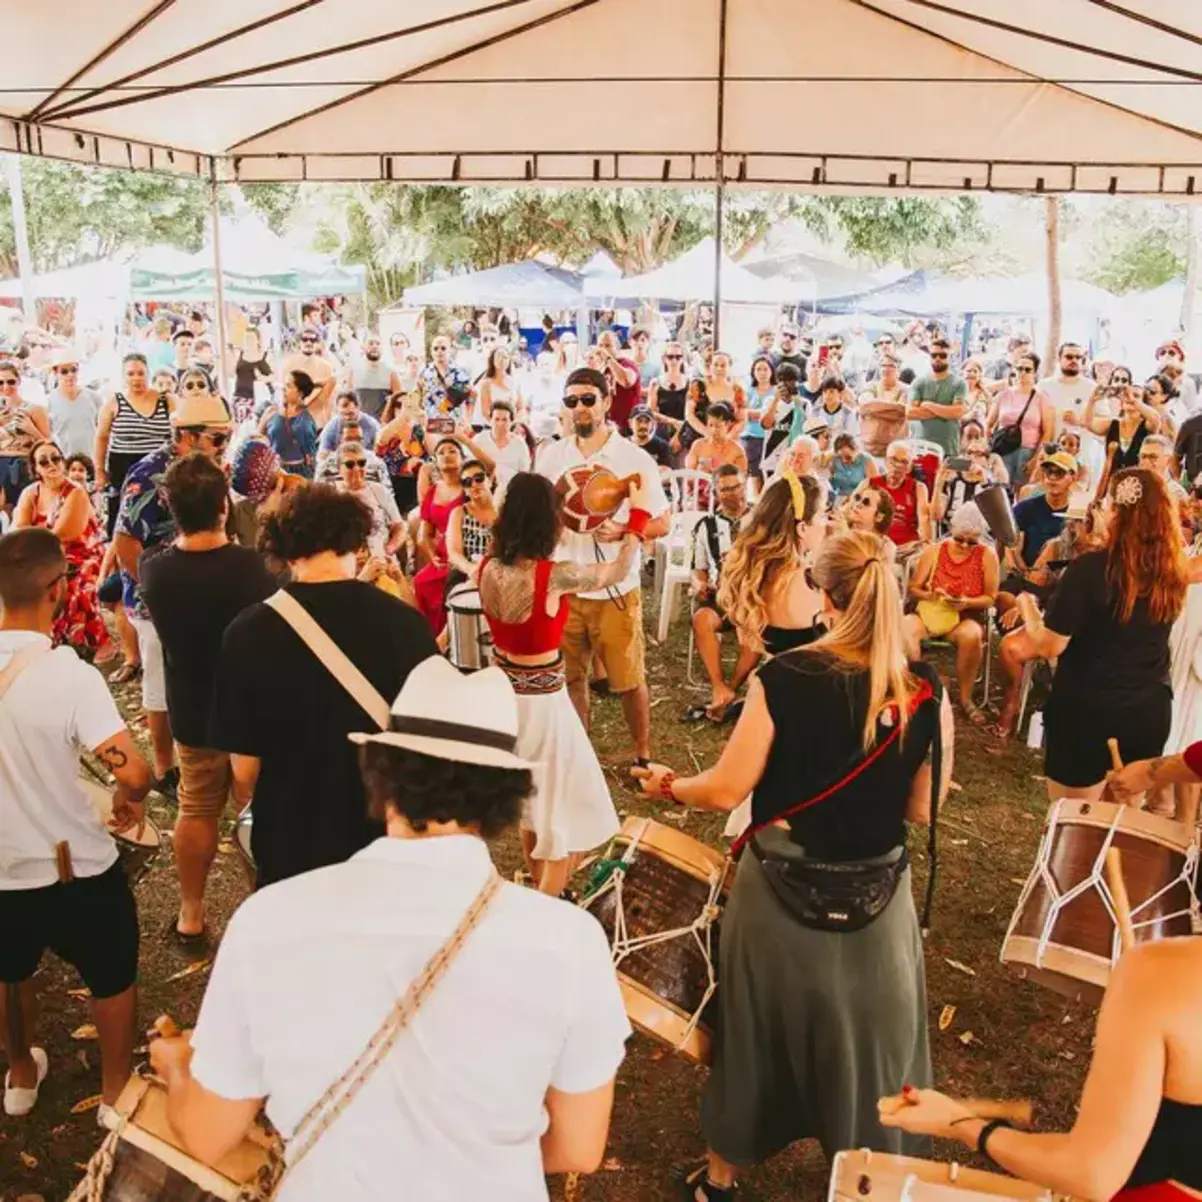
(720,173)
(719,206)
(218,274)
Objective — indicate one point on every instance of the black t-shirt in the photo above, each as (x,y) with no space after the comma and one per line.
(798,360)
(274,699)
(192,597)
(818,714)
(659,450)
(1107,663)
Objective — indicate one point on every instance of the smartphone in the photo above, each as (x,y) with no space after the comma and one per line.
(441,425)
(959,463)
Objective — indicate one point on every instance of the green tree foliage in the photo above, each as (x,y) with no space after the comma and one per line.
(1136,246)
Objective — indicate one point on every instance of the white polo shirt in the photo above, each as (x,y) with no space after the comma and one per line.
(57,707)
(514,457)
(623,458)
(309,967)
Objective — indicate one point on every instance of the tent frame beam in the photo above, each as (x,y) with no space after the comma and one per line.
(1143,19)
(74,111)
(442,61)
(720,189)
(105,52)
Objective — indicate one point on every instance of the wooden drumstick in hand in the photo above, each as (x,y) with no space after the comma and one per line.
(1118,895)
(1116,759)
(165,1027)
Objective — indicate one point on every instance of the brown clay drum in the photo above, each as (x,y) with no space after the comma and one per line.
(1073,948)
(866,1176)
(149,1165)
(590,495)
(667,885)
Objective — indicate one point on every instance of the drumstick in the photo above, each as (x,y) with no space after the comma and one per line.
(1116,760)
(1020,1111)
(1118,894)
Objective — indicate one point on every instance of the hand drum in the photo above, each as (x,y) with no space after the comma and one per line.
(590,496)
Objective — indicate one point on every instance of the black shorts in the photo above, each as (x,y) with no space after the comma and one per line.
(111,590)
(754,446)
(1076,734)
(91,923)
(710,602)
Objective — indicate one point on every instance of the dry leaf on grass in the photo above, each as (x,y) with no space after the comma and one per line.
(952,787)
(1017,880)
(87,1031)
(199,966)
(86,1104)
(968,1039)
(945,1017)
(30,1162)
(968,972)
(612,1165)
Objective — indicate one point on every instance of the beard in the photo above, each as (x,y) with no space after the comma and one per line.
(1071,370)
(584,426)
(372,358)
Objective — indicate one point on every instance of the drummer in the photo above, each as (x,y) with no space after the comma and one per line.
(606,621)
(62,887)
(823,998)
(1139,1126)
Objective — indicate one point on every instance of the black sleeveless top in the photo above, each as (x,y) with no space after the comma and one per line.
(818,714)
(246,371)
(1171,1153)
(778,639)
(671,400)
(1129,457)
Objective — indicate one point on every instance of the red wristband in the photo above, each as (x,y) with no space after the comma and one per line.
(637,522)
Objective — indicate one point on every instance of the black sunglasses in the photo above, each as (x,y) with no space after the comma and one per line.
(673,356)
(218,438)
(473,480)
(1053,472)
(48,461)
(354,463)
(570,402)
(864,500)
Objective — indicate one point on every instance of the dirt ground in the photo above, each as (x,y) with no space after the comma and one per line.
(1008,1038)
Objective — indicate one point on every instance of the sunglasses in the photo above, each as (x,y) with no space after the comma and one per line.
(473,480)
(1067,355)
(217,438)
(938,357)
(864,501)
(8,383)
(48,461)
(68,371)
(570,402)
(964,540)
(1120,380)
(673,356)
(1025,371)
(196,386)
(349,463)
(1052,472)
(308,342)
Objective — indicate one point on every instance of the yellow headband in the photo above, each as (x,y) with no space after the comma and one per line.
(799,496)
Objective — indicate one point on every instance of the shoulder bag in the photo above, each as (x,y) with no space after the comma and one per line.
(1008,439)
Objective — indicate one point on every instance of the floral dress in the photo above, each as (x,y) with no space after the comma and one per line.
(80,623)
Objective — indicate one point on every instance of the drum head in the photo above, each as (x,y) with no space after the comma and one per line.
(465,599)
(865,1176)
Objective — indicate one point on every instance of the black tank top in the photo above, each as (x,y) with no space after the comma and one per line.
(1171,1153)
(246,371)
(671,400)
(778,639)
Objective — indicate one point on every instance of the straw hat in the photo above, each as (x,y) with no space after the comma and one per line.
(200,409)
(441,712)
(65,356)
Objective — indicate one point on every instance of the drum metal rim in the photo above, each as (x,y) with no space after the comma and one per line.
(1061,958)
(658,1018)
(675,847)
(1072,811)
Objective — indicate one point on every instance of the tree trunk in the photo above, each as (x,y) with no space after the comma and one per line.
(1190,294)
(1051,212)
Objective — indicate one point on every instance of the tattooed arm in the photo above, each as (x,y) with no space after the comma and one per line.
(122,758)
(1144,776)
(587,578)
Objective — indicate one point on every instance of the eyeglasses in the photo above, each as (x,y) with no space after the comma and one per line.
(1052,472)
(48,461)
(1025,371)
(350,463)
(588,401)
(472,480)
(965,540)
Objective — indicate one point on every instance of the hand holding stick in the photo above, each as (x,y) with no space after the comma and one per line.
(1020,1112)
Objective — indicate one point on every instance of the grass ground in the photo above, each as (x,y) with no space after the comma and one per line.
(1007,1039)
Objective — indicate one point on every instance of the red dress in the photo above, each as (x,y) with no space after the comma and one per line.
(430,584)
(80,623)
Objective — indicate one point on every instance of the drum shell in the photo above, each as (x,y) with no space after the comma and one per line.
(665,887)
(1081,943)
(469,640)
(242,845)
(864,1176)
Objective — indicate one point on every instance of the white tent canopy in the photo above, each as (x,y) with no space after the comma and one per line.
(691,277)
(1014,95)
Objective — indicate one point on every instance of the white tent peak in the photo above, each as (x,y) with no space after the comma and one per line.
(600,265)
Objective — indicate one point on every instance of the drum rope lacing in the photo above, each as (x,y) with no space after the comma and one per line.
(1096,880)
(701,929)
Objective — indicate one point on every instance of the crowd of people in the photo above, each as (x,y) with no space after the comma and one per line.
(283,570)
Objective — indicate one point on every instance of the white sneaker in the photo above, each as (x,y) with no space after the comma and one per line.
(107,1117)
(19,1102)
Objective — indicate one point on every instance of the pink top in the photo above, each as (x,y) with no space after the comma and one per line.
(1010,405)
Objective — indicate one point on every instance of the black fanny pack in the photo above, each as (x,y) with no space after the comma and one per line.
(824,896)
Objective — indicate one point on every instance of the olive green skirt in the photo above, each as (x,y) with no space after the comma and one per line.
(814,1026)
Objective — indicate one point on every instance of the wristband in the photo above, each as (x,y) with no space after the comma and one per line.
(665,788)
(986,1132)
(636,524)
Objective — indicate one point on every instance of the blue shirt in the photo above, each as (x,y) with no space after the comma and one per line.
(144,516)
(331,436)
(294,440)
(1039,523)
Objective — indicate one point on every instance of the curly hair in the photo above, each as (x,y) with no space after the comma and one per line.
(423,789)
(1145,556)
(86,460)
(765,554)
(314,519)
(528,525)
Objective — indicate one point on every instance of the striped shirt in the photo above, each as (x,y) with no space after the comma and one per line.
(133,434)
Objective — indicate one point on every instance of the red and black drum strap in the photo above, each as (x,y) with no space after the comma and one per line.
(923,694)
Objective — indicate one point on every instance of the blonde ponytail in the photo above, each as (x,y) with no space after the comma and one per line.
(852,570)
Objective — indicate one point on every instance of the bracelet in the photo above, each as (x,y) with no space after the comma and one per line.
(986,1131)
(665,788)
(636,524)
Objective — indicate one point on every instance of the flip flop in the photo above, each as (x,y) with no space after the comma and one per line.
(695,713)
(696,1179)
(974,715)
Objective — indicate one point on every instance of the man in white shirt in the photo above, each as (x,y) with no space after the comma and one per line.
(506,452)
(608,623)
(1069,390)
(61,885)
(502,1071)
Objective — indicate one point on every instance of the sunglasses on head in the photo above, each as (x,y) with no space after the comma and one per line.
(474,479)
(48,460)
(588,401)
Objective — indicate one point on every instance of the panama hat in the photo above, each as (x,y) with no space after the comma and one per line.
(441,712)
(200,409)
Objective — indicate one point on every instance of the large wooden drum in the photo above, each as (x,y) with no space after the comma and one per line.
(660,908)
(883,1177)
(143,1160)
(1063,933)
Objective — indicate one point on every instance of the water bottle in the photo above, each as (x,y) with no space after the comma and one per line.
(1035,731)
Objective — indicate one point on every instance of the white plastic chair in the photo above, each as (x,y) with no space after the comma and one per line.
(676,569)
(684,495)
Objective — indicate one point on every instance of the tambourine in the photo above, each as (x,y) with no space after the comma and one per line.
(590,496)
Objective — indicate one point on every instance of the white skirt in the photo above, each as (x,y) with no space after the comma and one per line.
(570,809)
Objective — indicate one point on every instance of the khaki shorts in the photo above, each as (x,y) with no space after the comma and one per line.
(614,630)
(205,778)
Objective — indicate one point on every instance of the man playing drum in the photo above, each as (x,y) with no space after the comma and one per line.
(61,885)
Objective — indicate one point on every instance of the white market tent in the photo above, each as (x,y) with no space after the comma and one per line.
(1010,95)
(1025,294)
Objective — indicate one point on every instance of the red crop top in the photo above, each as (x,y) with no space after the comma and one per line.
(539,633)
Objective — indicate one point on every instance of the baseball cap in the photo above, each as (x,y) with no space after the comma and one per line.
(642,411)
(1062,460)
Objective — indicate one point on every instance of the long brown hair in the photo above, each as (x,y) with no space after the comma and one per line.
(1145,554)
(853,571)
(764,554)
